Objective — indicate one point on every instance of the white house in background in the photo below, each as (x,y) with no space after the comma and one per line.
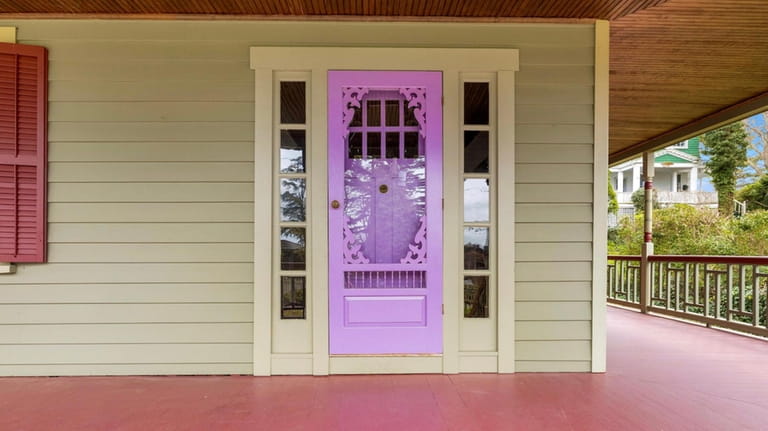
(676,178)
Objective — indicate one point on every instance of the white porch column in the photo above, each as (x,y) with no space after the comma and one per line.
(635,178)
(619,181)
(674,181)
(647,250)
(693,179)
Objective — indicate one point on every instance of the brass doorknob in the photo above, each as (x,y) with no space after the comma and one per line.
(383,188)
(335,204)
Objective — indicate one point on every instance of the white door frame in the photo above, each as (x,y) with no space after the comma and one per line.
(266,61)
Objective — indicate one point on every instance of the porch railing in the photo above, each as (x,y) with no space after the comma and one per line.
(724,291)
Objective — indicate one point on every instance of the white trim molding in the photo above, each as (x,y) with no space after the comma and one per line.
(600,197)
(267,62)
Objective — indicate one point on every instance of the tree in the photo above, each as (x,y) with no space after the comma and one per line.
(638,200)
(755,194)
(613,203)
(727,151)
(757,159)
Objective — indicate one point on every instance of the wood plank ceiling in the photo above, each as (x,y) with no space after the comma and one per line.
(674,63)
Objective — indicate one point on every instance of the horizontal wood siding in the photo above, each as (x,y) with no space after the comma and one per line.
(151,192)
(553,228)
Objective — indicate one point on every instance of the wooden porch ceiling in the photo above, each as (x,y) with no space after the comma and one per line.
(677,66)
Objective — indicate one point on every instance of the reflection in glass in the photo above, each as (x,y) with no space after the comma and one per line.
(392,113)
(475,151)
(292,297)
(476,200)
(292,150)
(411,145)
(384,224)
(374,112)
(476,103)
(293,195)
(293,248)
(393,145)
(293,102)
(476,248)
(374,145)
(476,296)
(355,145)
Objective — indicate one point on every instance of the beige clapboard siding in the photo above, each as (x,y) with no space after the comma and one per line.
(150,192)
(85,233)
(134,333)
(553,232)
(159,91)
(112,124)
(553,193)
(553,153)
(553,271)
(125,353)
(149,252)
(553,330)
(553,311)
(553,251)
(134,273)
(16,314)
(150,172)
(128,293)
(150,131)
(553,213)
(151,111)
(543,350)
(553,366)
(150,212)
(163,70)
(553,291)
(278,33)
(173,368)
(237,151)
(553,173)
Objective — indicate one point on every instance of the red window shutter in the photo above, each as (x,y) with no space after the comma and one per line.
(23,152)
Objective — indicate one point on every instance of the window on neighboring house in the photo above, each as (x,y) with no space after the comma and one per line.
(23,142)
(683,145)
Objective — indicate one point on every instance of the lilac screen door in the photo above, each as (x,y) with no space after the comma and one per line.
(385,212)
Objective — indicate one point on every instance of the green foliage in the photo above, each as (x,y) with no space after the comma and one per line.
(638,200)
(683,229)
(727,151)
(756,194)
(613,203)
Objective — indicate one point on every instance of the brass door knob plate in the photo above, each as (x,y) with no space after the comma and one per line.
(335,204)
(383,188)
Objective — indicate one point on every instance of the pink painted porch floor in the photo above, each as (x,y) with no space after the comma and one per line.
(662,375)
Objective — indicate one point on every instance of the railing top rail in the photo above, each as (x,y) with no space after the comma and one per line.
(623,257)
(737,260)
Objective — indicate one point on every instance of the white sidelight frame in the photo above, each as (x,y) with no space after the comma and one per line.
(269,64)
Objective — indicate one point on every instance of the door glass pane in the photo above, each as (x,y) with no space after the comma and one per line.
(374,145)
(355,145)
(476,102)
(293,195)
(475,152)
(476,248)
(292,297)
(393,145)
(411,145)
(476,200)
(292,150)
(293,102)
(385,200)
(293,248)
(374,113)
(392,113)
(476,296)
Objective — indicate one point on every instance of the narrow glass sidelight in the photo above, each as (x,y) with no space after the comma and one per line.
(476,296)
(291,186)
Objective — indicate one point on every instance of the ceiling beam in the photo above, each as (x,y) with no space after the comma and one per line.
(735,112)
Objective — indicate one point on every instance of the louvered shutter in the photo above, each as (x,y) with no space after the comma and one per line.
(23,161)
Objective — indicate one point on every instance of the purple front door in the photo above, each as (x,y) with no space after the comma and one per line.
(385,212)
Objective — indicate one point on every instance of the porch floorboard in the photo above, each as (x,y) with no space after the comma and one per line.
(662,375)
